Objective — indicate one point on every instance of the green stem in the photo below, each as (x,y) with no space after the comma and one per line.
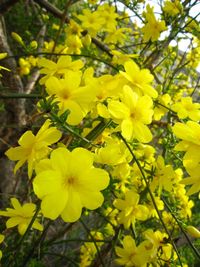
(35,245)
(98,252)
(65,54)
(66,128)
(60,234)
(19,95)
(80,240)
(63,257)
(94,133)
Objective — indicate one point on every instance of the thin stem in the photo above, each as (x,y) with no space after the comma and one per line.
(80,240)
(63,257)
(196,252)
(98,252)
(94,133)
(60,234)
(64,54)
(19,95)
(152,197)
(66,128)
(35,245)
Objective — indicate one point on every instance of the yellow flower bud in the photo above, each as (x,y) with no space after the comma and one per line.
(45,17)
(17,38)
(192,231)
(86,40)
(3,55)
(34,44)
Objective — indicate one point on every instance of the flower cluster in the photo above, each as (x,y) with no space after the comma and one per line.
(113,155)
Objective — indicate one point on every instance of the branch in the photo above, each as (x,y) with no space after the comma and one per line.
(6,4)
(59,14)
(52,9)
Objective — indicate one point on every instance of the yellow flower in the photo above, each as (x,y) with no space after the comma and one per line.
(158,248)
(153,27)
(145,153)
(185,207)
(21,216)
(91,21)
(71,96)
(68,182)
(152,30)
(131,255)
(32,147)
(120,58)
(151,207)
(132,113)
(63,66)
(139,80)
(130,209)
(164,176)
(113,153)
(160,111)
(1,240)
(172,8)
(74,44)
(88,249)
(73,28)
(24,66)
(190,135)
(116,36)
(107,12)
(192,180)
(186,108)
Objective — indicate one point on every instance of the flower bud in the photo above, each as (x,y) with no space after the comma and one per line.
(17,38)
(192,231)
(3,55)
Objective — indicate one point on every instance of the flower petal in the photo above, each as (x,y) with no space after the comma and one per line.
(73,209)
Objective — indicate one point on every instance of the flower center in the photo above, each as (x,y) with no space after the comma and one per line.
(71,181)
(65,95)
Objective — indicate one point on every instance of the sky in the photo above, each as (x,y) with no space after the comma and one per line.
(184,43)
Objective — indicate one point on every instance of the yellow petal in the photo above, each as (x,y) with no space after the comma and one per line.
(142,132)
(13,221)
(73,209)
(27,139)
(15,203)
(94,180)
(53,204)
(118,110)
(46,183)
(127,129)
(22,228)
(60,160)
(16,153)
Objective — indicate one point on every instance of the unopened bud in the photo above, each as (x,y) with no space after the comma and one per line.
(192,231)
(17,38)
(34,44)
(3,55)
